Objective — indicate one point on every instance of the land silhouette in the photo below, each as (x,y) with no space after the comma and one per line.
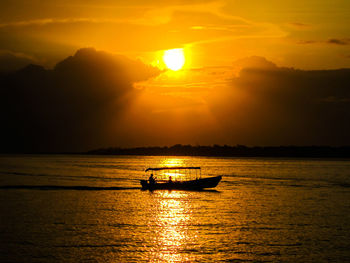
(231,151)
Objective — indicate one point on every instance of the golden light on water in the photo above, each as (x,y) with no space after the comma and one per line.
(172,218)
(174,59)
(170,162)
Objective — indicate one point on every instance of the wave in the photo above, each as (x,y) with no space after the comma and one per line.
(63,187)
(90,246)
(69,177)
(24,174)
(288,181)
(341,184)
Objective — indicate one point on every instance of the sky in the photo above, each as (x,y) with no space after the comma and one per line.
(272,73)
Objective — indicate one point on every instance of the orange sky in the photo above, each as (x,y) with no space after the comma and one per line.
(210,100)
(312,34)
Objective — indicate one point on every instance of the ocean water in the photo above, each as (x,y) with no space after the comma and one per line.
(64,208)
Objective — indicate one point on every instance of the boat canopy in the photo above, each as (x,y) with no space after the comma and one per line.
(172,168)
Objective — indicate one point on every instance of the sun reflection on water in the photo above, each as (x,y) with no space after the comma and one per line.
(172,217)
(171,162)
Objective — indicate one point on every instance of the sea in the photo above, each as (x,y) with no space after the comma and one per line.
(82,208)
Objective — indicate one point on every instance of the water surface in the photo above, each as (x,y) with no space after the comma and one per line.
(91,209)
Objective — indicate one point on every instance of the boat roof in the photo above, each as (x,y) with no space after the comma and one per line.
(171,168)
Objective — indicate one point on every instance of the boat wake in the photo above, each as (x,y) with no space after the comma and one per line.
(63,187)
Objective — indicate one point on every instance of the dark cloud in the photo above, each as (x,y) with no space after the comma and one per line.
(308,42)
(88,101)
(254,62)
(10,61)
(73,107)
(344,41)
(282,106)
(299,25)
(331,41)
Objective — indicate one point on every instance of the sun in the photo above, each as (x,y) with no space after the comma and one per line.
(174,59)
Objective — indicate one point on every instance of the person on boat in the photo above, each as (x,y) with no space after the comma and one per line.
(170,179)
(151,179)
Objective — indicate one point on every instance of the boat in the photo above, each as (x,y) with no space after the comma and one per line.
(177,178)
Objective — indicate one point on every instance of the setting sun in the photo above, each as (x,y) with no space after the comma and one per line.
(174,59)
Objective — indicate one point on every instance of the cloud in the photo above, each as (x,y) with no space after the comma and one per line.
(336,41)
(10,61)
(167,25)
(89,101)
(73,107)
(331,41)
(254,102)
(299,25)
(283,106)
(254,62)
(308,42)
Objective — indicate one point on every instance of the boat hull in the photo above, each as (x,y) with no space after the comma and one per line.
(183,185)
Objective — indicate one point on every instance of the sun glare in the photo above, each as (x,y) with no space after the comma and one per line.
(174,59)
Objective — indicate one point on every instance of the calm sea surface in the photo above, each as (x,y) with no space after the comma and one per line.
(62,208)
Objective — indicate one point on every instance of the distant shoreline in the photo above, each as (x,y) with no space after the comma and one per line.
(231,151)
(217,151)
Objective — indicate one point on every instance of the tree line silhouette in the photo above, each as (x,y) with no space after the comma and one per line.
(231,151)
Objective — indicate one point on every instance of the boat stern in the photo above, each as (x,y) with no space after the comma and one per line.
(144,184)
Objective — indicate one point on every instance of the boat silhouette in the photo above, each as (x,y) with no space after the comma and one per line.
(181,183)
